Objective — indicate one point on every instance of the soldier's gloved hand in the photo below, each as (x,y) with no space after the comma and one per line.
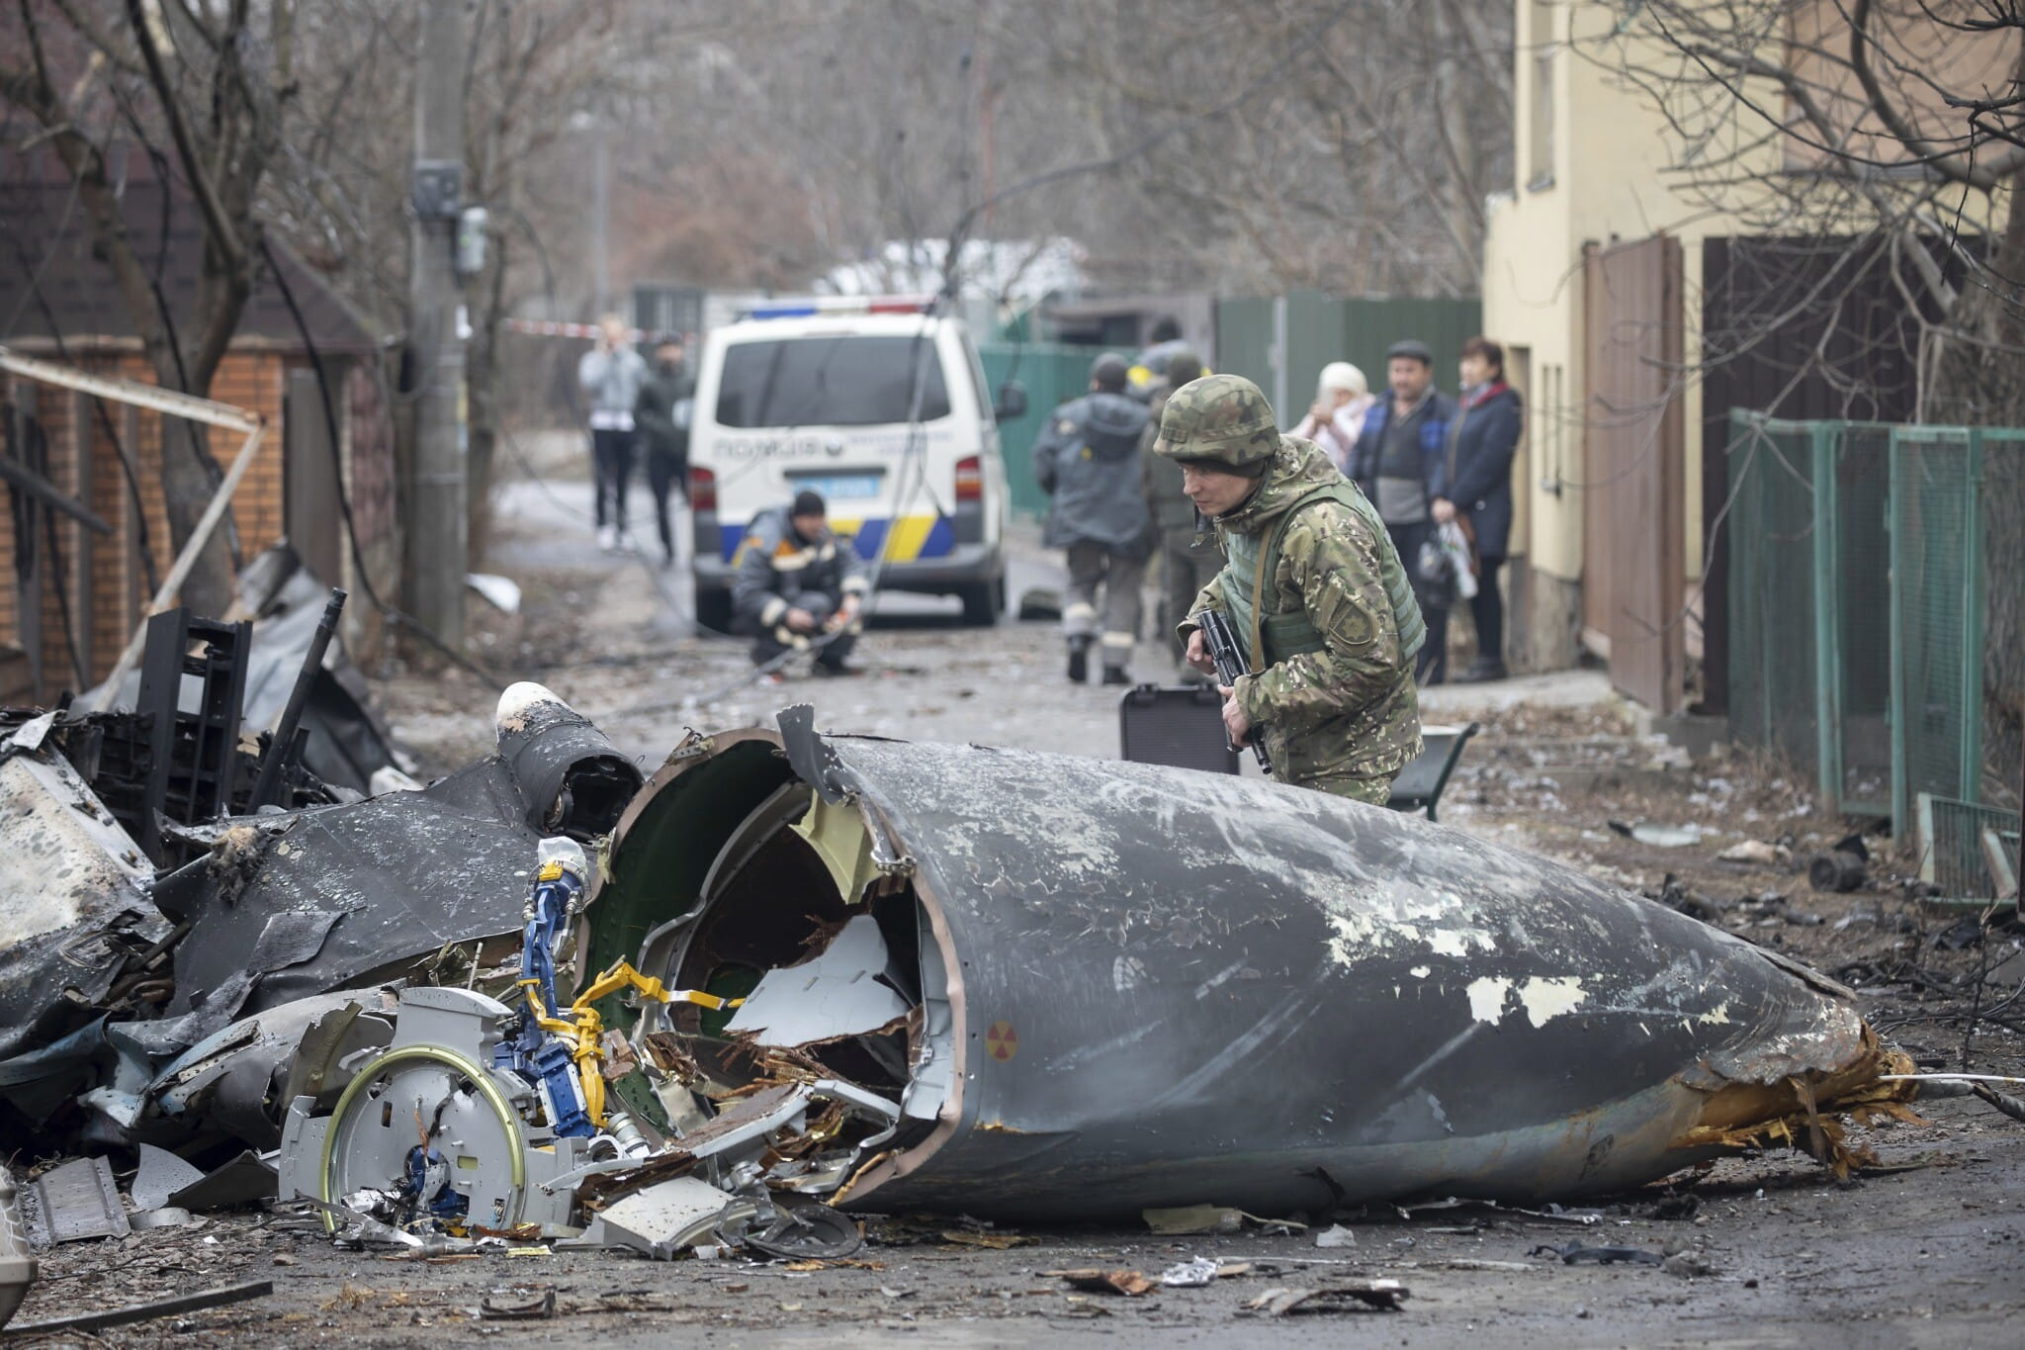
(1234,720)
(1198,653)
(800,620)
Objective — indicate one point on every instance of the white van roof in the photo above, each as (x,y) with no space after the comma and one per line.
(827,325)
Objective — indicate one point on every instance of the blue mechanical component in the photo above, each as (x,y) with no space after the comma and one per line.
(544,1059)
(425,1186)
(561,1090)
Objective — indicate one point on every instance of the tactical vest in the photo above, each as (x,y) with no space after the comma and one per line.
(1278,635)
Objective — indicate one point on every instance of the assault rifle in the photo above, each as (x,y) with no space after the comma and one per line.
(1230,663)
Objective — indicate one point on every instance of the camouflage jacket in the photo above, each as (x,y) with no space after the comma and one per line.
(1350,708)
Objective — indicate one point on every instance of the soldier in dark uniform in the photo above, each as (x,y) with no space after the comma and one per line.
(1087,461)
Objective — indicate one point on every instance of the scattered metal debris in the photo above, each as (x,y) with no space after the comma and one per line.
(1382,1295)
(1659,836)
(1130,1283)
(1188,1220)
(1196,1274)
(160,1175)
(539,1306)
(245,1180)
(143,1312)
(1575,1254)
(1835,871)
(18,1268)
(74,1201)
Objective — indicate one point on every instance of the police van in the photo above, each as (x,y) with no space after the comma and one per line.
(881,406)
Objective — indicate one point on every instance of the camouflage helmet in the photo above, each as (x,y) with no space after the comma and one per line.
(1221,418)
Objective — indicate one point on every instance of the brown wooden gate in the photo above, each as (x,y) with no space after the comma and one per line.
(1633,479)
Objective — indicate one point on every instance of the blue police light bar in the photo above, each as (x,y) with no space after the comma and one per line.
(810,306)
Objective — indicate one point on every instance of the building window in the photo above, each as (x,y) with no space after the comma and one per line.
(1540,150)
(1550,426)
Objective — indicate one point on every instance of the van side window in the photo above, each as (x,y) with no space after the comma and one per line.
(830,381)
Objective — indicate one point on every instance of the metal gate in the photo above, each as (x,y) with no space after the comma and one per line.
(1634,556)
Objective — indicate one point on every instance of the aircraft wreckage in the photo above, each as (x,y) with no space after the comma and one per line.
(847,971)
(920,977)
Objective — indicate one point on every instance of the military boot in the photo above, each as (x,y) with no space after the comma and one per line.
(1079,659)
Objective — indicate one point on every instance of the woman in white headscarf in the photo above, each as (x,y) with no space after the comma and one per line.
(1341,399)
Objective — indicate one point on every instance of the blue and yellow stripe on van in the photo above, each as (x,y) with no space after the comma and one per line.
(915,537)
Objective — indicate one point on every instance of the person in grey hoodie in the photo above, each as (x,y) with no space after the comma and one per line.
(1088,462)
(610,374)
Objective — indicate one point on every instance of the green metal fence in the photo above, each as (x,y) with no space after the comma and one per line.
(1052,373)
(1320,329)
(1858,579)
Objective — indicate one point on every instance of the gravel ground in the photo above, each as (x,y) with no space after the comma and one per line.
(1774,1251)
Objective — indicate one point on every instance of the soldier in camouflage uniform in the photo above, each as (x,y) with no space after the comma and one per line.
(1312,587)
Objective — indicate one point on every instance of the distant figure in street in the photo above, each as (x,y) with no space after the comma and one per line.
(1400,460)
(610,374)
(1087,461)
(1481,444)
(1341,399)
(1313,593)
(667,397)
(797,586)
(1188,552)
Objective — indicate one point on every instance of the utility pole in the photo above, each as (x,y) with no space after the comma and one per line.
(437,528)
(601,208)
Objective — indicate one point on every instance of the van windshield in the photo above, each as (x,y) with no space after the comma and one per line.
(830,381)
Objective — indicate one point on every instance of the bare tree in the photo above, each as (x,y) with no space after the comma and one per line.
(204,90)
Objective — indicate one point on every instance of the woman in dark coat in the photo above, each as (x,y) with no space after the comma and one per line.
(1482,441)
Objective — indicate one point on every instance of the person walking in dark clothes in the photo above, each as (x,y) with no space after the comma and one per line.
(662,413)
(1481,444)
(1400,460)
(1087,461)
(609,375)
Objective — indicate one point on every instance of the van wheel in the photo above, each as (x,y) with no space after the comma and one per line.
(713,611)
(983,602)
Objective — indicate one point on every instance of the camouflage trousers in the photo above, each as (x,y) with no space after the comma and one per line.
(1375,791)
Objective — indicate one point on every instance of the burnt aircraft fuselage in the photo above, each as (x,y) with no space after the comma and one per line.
(1138,986)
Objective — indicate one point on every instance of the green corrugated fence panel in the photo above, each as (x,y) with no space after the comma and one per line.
(1053,373)
(1321,329)
(1244,340)
(1370,326)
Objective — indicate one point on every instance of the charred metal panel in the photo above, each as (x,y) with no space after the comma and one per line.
(75,888)
(405,873)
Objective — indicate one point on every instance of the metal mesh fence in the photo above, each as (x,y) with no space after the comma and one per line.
(1863,614)
(1771,541)
(1956,837)
(1859,574)
(1936,637)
